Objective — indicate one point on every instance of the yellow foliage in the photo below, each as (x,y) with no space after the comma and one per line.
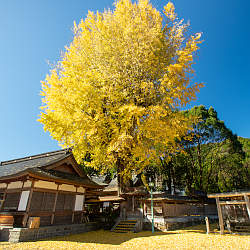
(169,11)
(190,238)
(116,91)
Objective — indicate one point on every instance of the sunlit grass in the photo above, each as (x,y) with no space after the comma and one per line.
(191,238)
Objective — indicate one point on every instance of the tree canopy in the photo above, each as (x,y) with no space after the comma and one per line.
(116,91)
(212,158)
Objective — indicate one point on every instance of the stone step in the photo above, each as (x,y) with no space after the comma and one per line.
(123,229)
(123,221)
(125,226)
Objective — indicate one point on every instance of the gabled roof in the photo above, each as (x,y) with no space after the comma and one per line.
(112,186)
(18,165)
(109,186)
(42,165)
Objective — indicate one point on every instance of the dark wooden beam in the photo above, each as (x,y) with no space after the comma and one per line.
(26,214)
(15,190)
(231,194)
(73,207)
(54,207)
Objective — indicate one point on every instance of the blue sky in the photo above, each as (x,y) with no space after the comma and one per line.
(34,32)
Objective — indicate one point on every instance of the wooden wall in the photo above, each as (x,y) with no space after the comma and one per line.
(53,203)
(178,210)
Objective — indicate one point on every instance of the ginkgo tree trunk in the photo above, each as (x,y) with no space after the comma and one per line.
(116,91)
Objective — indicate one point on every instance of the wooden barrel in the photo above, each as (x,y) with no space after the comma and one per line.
(6,220)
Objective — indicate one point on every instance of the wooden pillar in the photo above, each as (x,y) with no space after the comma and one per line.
(54,207)
(73,208)
(84,214)
(175,209)
(207,225)
(26,215)
(144,208)
(220,215)
(133,203)
(141,209)
(247,204)
(119,207)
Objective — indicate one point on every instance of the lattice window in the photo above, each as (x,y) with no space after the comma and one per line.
(69,202)
(48,201)
(42,201)
(36,201)
(65,202)
(11,201)
(60,202)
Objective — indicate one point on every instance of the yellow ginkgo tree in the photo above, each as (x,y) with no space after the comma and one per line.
(116,91)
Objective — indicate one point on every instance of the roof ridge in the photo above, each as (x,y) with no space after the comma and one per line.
(61,151)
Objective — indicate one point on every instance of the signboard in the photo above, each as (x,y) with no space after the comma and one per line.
(79,202)
(23,200)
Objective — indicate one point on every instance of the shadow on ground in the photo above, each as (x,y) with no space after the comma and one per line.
(201,229)
(214,229)
(107,237)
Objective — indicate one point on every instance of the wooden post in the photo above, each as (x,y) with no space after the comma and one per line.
(141,209)
(133,203)
(84,214)
(144,209)
(54,207)
(207,225)
(247,204)
(73,208)
(26,215)
(220,215)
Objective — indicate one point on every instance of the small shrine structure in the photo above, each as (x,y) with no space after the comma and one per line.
(233,210)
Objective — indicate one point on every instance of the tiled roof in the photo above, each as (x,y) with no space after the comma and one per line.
(109,186)
(112,186)
(100,179)
(35,165)
(18,165)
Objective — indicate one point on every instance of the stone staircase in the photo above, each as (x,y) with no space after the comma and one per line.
(125,226)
